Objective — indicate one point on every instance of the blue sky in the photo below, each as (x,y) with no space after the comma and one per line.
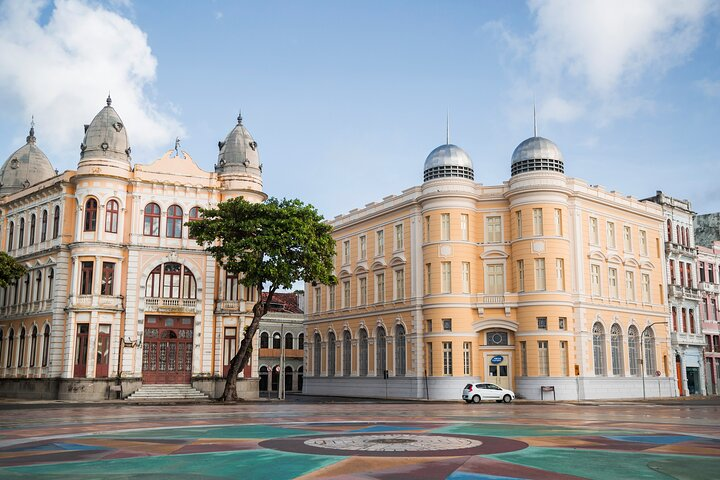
(346,99)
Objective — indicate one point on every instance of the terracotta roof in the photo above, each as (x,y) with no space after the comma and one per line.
(284,303)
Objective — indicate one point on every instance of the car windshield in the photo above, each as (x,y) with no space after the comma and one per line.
(492,386)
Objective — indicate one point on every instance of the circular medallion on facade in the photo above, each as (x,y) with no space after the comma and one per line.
(395,444)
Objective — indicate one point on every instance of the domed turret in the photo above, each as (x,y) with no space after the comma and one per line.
(536,154)
(448,161)
(27,166)
(106,138)
(238,153)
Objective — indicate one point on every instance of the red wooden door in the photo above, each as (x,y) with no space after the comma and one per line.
(167,350)
(81,350)
(103,352)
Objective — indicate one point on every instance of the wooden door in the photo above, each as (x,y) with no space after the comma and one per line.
(167,350)
(103,351)
(81,350)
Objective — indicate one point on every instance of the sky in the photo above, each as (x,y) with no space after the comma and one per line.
(346,99)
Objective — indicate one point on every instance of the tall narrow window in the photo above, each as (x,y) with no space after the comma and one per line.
(633,351)
(543,359)
(496,279)
(380,288)
(21,233)
(539,274)
(363,352)
(174,222)
(151,225)
(558,222)
(331,349)
(630,286)
(560,273)
(108,276)
(399,237)
(400,356)
(317,299)
(564,358)
(523,359)
(11,233)
(627,238)
(494,234)
(447,358)
(445,226)
(464,220)
(399,284)
(86,278)
(426,230)
(612,282)
(231,286)
(43,226)
(10,348)
(594,235)
(193,216)
(381,349)
(649,346)
(616,349)
(595,279)
(347,353)
(317,354)
(645,288)
(518,223)
(331,297)
(643,242)
(599,349)
(90,215)
(610,235)
(346,252)
(363,247)
(33,346)
(466,277)
(46,346)
(112,211)
(380,243)
(428,278)
(21,348)
(521,275)
(32,230)
(537,221)
(50,279)
(445,277)
(467,358)
(56,223)
(362,286)
(346,294)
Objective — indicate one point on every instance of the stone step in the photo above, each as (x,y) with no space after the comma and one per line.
(167,392)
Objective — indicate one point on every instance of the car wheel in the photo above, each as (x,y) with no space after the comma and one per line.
(507,399)
(476,399)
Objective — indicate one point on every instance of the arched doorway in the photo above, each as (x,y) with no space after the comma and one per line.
(288,378)
(263,378)
(167,350)
(275,378)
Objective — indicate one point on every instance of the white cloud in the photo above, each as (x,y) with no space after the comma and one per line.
(711,88)
(61,72)
(560,110)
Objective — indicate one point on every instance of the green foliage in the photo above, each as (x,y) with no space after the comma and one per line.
(277,242)
(9,269)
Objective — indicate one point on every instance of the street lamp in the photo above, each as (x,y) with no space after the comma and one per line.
(642,353)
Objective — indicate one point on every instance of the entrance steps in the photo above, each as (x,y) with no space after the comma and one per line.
(153,392)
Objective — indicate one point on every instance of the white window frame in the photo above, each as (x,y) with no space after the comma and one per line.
(444,226)
(380,243)
(399,230)
(645,283)
(595,286)
(537,222)
(428,279)
(362,247)
(630,286)
(362,291)
(594,233)
(493,229)
(399,284)
(643,243)
(331,297)
(318,297)
(560,273)
(521,275)
(558,222)
(613,290)
(493,271)
(380,287)
(346,298)
(627,238)
(518,223)
(543,358)
(611,234)
(464,226)
(540,275)
(445,277)
(346,252)
(466,277)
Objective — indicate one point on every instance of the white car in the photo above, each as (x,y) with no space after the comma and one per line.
(486,391)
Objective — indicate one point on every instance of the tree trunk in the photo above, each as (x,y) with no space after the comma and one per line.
(242,357)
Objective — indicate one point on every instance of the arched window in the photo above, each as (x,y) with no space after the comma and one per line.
(11,233)
(21,233)
(599,348)
(43,226)
(288,378)
(32,230)
(649,352)
(38,285)
(50,278)
(400,358)
(380,348)
(171,280)
(669,230)
(691,318)
(21,348)
(264,340)
(174,222)
(363,352)
(193,215)
(33,346)
(301,341)
(46,346)
(277,340)
(90,215)
(289,341)
(678,235)
(151,225)
(56,222)
(112,213)
(347,353)
(634,351)
(687,236)
(263,379)
(331,354)
(11,347)
(317,345)
(674,319)
(616,349)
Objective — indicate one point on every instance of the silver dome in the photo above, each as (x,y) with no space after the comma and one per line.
(106,136)
(26,166)
(448,161)
(239,152)
(537,153)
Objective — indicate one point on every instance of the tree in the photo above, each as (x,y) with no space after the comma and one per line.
(10,270)
(272,244)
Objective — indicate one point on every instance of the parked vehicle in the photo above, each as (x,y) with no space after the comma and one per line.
(478,392)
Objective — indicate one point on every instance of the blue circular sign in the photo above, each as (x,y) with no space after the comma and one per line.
(496,359)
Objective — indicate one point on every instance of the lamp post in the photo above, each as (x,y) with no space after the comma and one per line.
(642,353)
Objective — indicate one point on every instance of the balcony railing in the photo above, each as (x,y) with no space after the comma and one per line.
(177,305)
(690,293)
(493,299)
(230,306)
(96,301)
(26,308)
(676,247)
(709,287)
(680,338)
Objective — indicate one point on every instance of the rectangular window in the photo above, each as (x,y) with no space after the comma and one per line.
(542,323)
(380,243)
(521,275)
(643,242)
(523,359)
(231,286)
(518,223)
(399,284)
(346,252)
(610,235)
(560,273)
(346,294)
(428,279)
(363,247)
(539,274)
(492,228)
(537,221)
(627,238)
(380,288)
(429,359)
(426,230)
(399,237)
(447,358)
(331,297)
(466,277)
(445,226)
(562,323)
(595,279)
(318,297)
(612,282)
(447,324)
(496,279)
(543,359)
(428,325)
(86,278)
(445,278)
(594,236)
(558,222)
(645,288)
(467,358)
(362,286)
(564,358)
(108,276)
(464,220)
(630,286)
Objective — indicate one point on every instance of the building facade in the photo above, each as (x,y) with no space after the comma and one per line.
(683,293)
(709,283)
(543,281)
(116,292)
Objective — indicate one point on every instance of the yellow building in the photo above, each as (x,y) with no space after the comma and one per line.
(541,281)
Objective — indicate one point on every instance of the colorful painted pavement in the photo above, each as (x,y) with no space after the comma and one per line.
(268,442)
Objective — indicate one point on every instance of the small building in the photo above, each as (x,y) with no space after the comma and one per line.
(709,287)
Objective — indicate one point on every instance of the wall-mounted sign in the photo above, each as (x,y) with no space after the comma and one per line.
(496,359)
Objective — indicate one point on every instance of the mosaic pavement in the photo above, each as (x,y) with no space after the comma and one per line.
(333,441)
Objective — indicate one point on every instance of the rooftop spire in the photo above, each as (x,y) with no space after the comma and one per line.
(109,100)
(31,136)
(239,118)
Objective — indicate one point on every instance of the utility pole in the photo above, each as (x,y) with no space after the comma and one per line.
(281,385)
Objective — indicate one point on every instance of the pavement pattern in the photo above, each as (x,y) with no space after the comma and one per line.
(362,440)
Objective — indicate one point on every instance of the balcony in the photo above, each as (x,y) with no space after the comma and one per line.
(710,287)
(275,353)
(26,308)
(230,306)
(697,339)
(689,293)
(114,302)
(671,247)
(171,305)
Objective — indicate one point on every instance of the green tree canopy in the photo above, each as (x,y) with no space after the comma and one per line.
(9,269)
